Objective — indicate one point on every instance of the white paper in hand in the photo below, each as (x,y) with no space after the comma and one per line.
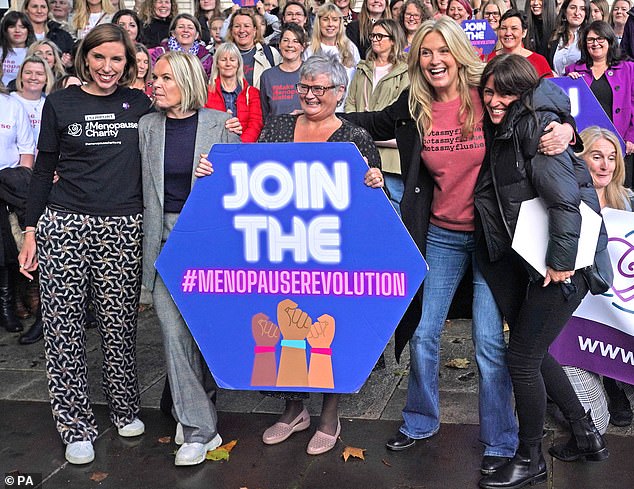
(531,235)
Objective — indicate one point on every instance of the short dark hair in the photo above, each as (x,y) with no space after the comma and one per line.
(102,34)
(515,13)
(9,20)
(296,29)
(602,29)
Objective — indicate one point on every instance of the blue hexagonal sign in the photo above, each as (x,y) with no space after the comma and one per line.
(290,272)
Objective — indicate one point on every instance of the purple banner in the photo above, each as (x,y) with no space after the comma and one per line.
(596,347)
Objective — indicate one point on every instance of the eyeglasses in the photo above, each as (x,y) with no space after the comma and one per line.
(377,36)
(413,16)
(317,90)
(491,14)
(597,40)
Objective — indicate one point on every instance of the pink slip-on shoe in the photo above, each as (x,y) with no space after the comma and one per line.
(322,442)
(281,431)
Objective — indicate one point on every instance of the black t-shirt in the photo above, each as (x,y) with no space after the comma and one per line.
(96,141)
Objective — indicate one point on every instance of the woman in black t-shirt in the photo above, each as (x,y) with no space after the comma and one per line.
(87,227)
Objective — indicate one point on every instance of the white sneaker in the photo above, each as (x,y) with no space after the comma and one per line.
(179,437)
(194,453)
(80,452)
(135,428)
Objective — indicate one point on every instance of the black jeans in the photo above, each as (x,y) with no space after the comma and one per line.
(534,372)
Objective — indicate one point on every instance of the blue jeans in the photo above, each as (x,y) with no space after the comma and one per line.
(395,185)
(448,255)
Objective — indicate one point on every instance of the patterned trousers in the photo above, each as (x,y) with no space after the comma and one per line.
(82,256)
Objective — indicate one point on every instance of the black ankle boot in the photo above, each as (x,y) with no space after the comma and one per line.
(618,403)
(8,318)
(586,442)
(36,333)
(526,467)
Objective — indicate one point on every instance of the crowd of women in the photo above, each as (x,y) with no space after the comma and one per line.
(390,78)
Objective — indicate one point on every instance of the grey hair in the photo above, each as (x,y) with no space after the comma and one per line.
(325,64)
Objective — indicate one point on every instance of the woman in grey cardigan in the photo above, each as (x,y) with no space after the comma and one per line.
(170,141)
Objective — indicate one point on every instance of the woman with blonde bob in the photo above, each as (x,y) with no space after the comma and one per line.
(49,52)
(440,174)
(170,141)
(88,15)
(329,37)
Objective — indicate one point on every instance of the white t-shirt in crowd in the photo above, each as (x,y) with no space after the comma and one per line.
(34,110)
(16,135)
(12,63)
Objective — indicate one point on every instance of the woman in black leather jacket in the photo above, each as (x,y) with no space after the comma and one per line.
(518,107)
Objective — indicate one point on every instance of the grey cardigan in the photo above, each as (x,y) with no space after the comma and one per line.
(211,130)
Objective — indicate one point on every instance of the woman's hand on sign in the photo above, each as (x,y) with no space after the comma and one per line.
(575,75)
(204,167)
(374,178)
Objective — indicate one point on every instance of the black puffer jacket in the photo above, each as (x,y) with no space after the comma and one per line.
(518,173)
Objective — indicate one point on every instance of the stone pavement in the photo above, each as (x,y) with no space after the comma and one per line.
(449,460)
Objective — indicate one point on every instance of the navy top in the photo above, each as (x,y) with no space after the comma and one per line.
(180,143)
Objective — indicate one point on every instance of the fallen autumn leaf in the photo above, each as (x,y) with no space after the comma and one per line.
(353,452)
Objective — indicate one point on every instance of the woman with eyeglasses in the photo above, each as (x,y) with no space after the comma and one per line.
(358,31)
(492,12)
(277,85)
(413,14)
(610,76)
(321,89)
(296,13)
(377,83)
(542,20)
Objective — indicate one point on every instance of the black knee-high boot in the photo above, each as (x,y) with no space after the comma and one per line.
(8,318)
(36,332)
(586,442)
(526,467)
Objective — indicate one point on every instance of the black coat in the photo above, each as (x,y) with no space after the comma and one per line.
(62,39)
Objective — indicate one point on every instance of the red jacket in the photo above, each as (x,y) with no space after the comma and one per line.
(248,107)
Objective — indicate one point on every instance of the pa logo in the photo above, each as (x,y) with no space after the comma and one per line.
(74,130)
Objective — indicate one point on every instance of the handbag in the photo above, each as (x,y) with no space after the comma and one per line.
(600,274)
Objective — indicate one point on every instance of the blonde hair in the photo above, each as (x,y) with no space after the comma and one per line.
(421,93)
(232,49)
(344,45)
(82,12)
(615,193)
(58,67)
(50,80)
(246,12)
(190,78)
